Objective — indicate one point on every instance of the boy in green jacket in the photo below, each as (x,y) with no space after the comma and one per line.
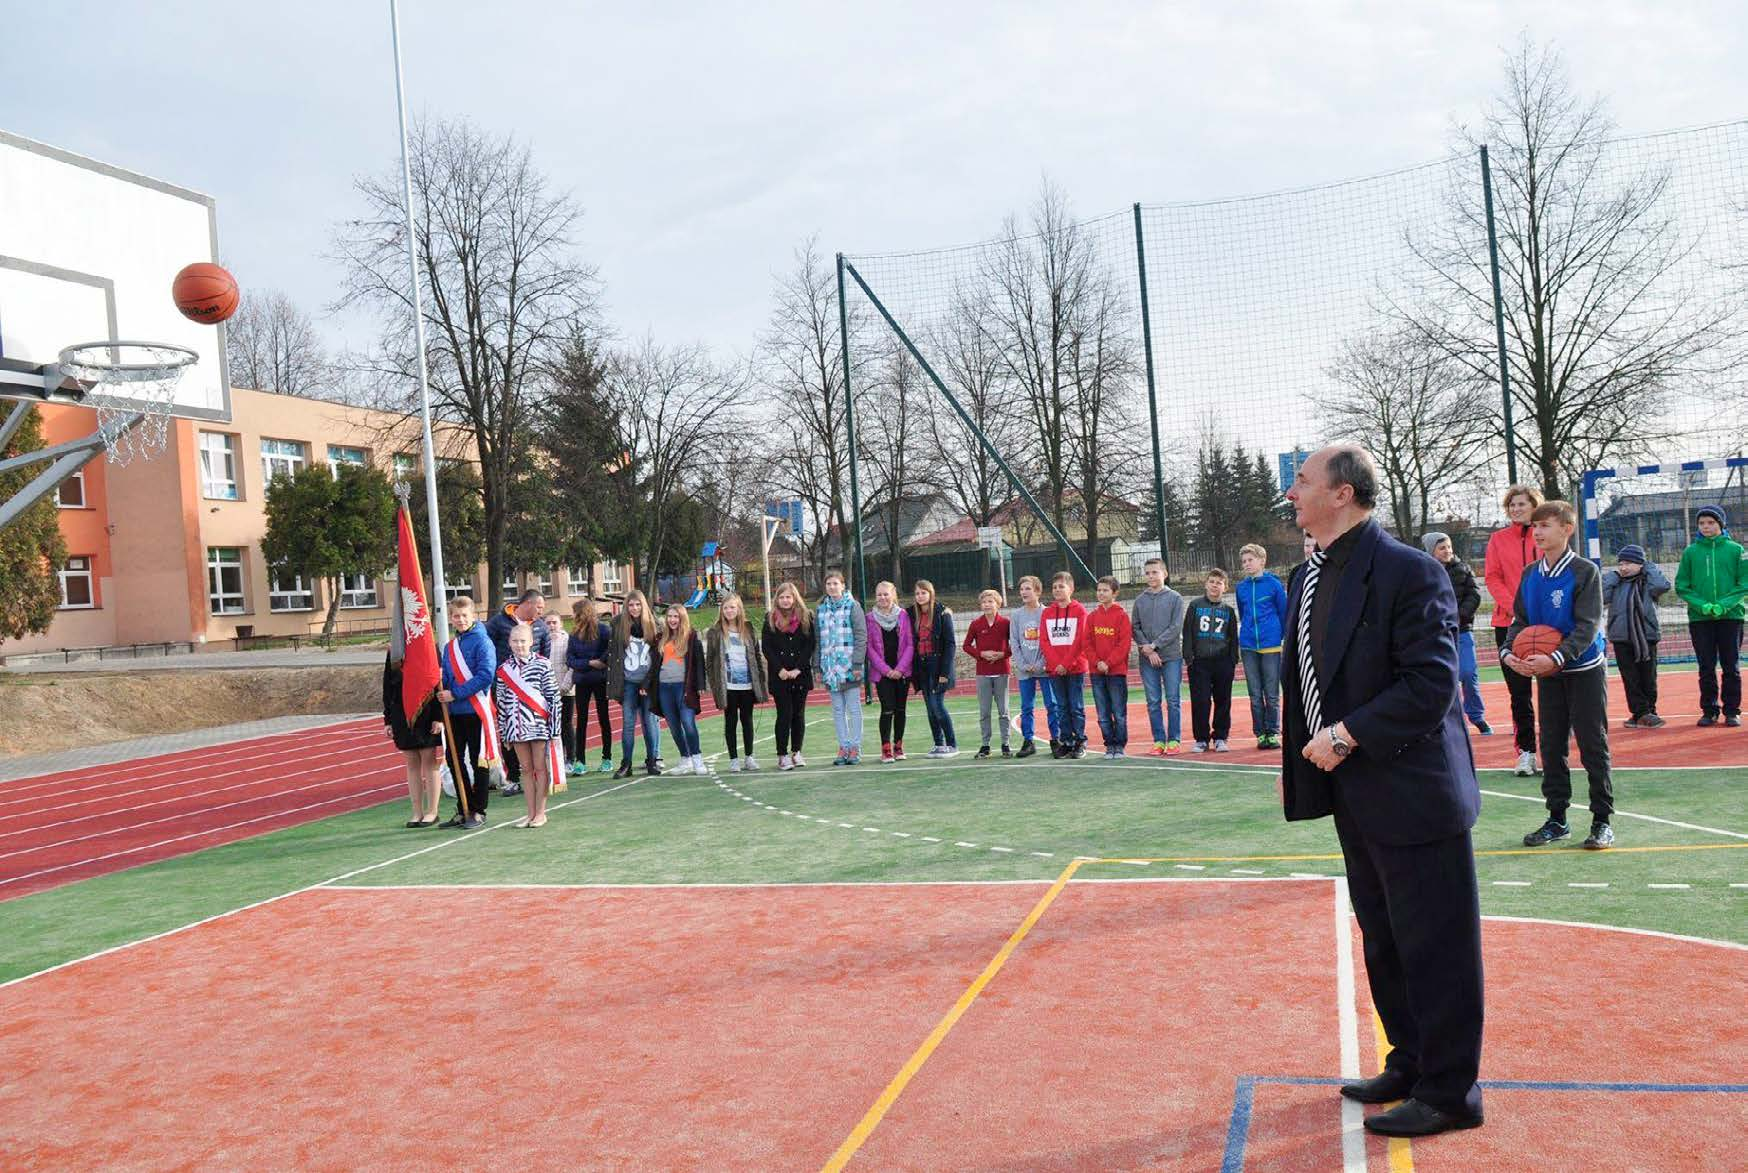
(1713,581)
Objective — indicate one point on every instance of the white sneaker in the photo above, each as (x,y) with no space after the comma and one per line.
(749,763)
(949,751)
(734,765)
(798,760)
(1526,765)
(698,766)
(1221,747)
(684,768)
(940,751)
(785,762)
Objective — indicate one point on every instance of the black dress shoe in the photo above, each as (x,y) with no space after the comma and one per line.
(1414,1118)
(1385,1087)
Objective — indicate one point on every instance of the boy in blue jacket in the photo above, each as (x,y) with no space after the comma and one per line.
(470,710)
(1262,617)
(1563,591)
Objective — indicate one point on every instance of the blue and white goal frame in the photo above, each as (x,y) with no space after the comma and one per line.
(1593,514)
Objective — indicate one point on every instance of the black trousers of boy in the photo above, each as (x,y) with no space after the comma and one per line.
(1575,704)
(592,694)
(1716,644)
(1523,706)
(1211,685)
(739,713)
(893,696)
(1638,677)
(791,700)
(464,764)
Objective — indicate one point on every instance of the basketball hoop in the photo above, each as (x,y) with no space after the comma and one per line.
(146,373)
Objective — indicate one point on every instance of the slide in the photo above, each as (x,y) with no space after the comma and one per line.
(697,599)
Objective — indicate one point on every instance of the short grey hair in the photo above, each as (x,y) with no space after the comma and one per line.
(1351,465)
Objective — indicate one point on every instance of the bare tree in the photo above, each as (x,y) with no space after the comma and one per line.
(502,292)
(271,345)
(973,368)
(802,365)
(679,414)
(901,461)
(1599,322)
(1102,442)
(1422,414)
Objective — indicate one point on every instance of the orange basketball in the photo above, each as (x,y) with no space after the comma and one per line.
(1536,640)
(205,293)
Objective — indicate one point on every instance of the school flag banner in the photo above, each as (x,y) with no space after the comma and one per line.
(410,633)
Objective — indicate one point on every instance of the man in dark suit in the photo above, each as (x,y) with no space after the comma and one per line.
(1373,732)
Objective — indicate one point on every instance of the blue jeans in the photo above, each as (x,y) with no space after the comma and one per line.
(1470,671)
(682,721)
(1262,680)
(847,715)
(1037,684)
(634,703)
(1070,693)
(1169,678)
(935,703)
(1111,699)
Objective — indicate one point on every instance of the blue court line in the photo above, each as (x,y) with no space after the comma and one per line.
(1244,1097)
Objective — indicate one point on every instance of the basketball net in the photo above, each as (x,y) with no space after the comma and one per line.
(133,386)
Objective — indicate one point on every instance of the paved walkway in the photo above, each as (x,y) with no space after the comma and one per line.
(206,661)
(29,765)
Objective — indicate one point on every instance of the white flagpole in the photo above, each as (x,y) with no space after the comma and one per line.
(440,611)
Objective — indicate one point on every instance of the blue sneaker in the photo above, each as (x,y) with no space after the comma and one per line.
(1551,831)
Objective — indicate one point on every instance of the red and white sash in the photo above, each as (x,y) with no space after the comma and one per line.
(482,705)
(537,705)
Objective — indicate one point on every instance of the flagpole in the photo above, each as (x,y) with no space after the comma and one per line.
(439,615)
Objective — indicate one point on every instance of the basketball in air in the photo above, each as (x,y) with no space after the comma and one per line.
(1536,640)
(205,293)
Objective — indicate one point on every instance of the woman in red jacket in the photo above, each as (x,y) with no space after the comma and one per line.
(1509,551)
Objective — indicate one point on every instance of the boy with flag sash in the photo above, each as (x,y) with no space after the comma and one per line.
(468,665)
(528,715)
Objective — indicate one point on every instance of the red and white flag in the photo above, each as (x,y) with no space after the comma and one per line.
(410,634)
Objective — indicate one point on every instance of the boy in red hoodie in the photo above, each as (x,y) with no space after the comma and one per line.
(1065,659)
(1107,649)
(986,641)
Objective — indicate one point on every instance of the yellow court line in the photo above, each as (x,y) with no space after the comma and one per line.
(871,1119)
(1400,1149)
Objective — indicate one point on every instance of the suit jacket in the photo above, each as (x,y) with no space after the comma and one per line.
(1389,670)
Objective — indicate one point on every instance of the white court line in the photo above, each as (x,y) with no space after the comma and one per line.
(1353,1136)
(353,874)
(1579,924)
(1511,883)
(1668,887)
(1628,815)
(1575,884)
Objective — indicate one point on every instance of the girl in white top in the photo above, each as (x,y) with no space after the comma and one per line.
(734,665)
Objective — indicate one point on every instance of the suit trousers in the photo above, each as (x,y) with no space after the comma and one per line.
(1420,924)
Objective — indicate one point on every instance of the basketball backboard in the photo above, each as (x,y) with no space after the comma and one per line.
(87,254)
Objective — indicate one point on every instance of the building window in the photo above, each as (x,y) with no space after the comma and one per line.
(576,580)
(289,592)
(282,458)
(339,454)
(612,581)
(543,583)
(512,584)
(357,590)
(406,466)
(71,493)
(218,466)
(76,592)
(455,590)
(224,580)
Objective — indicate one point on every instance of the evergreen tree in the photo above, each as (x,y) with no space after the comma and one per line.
(323,526)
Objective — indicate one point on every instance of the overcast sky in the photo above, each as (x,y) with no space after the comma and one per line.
(705,141)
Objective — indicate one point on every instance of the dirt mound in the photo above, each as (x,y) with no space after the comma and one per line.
(80,709)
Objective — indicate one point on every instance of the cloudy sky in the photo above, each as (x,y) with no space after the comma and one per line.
(705,141)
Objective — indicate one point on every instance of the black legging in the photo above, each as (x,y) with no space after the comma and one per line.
(791,701)
(893,694)
(567,734)
(1523,704)
(597,691)
(739,713)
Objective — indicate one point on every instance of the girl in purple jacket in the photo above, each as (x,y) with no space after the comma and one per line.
(891,651)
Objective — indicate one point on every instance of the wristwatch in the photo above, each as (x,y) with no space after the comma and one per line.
(1341,745)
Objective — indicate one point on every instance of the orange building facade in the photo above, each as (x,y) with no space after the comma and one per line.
(168,549)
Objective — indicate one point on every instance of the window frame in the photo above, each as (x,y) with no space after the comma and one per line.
(210,488)
(357,596)
(88,573)
(216,596)
(77,478)
(275,593)
(299,462)
(612,578)
(334,462)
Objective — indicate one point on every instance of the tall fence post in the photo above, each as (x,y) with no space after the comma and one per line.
(1499,320)
(1152,394)
(861,568)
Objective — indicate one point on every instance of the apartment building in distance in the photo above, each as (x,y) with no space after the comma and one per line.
(168,549)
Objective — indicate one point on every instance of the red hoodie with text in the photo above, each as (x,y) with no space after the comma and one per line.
(1107,639)
(1064,639)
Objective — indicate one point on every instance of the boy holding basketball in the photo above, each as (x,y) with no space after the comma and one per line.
(1564,592)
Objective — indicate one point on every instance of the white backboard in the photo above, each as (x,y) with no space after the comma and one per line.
(87,254)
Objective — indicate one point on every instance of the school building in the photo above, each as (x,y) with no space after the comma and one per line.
(167,550)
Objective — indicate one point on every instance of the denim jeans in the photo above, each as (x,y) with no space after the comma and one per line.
(1167,678)
(1070,693)
(847,715)
(1037,684)
(682,721)
(1469,670)
(635,703)
(935,703)
(1111,699)
(1262,680)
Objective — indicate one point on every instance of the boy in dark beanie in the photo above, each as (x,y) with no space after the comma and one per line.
(1468,593)
(1713,581)
(1630,592)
